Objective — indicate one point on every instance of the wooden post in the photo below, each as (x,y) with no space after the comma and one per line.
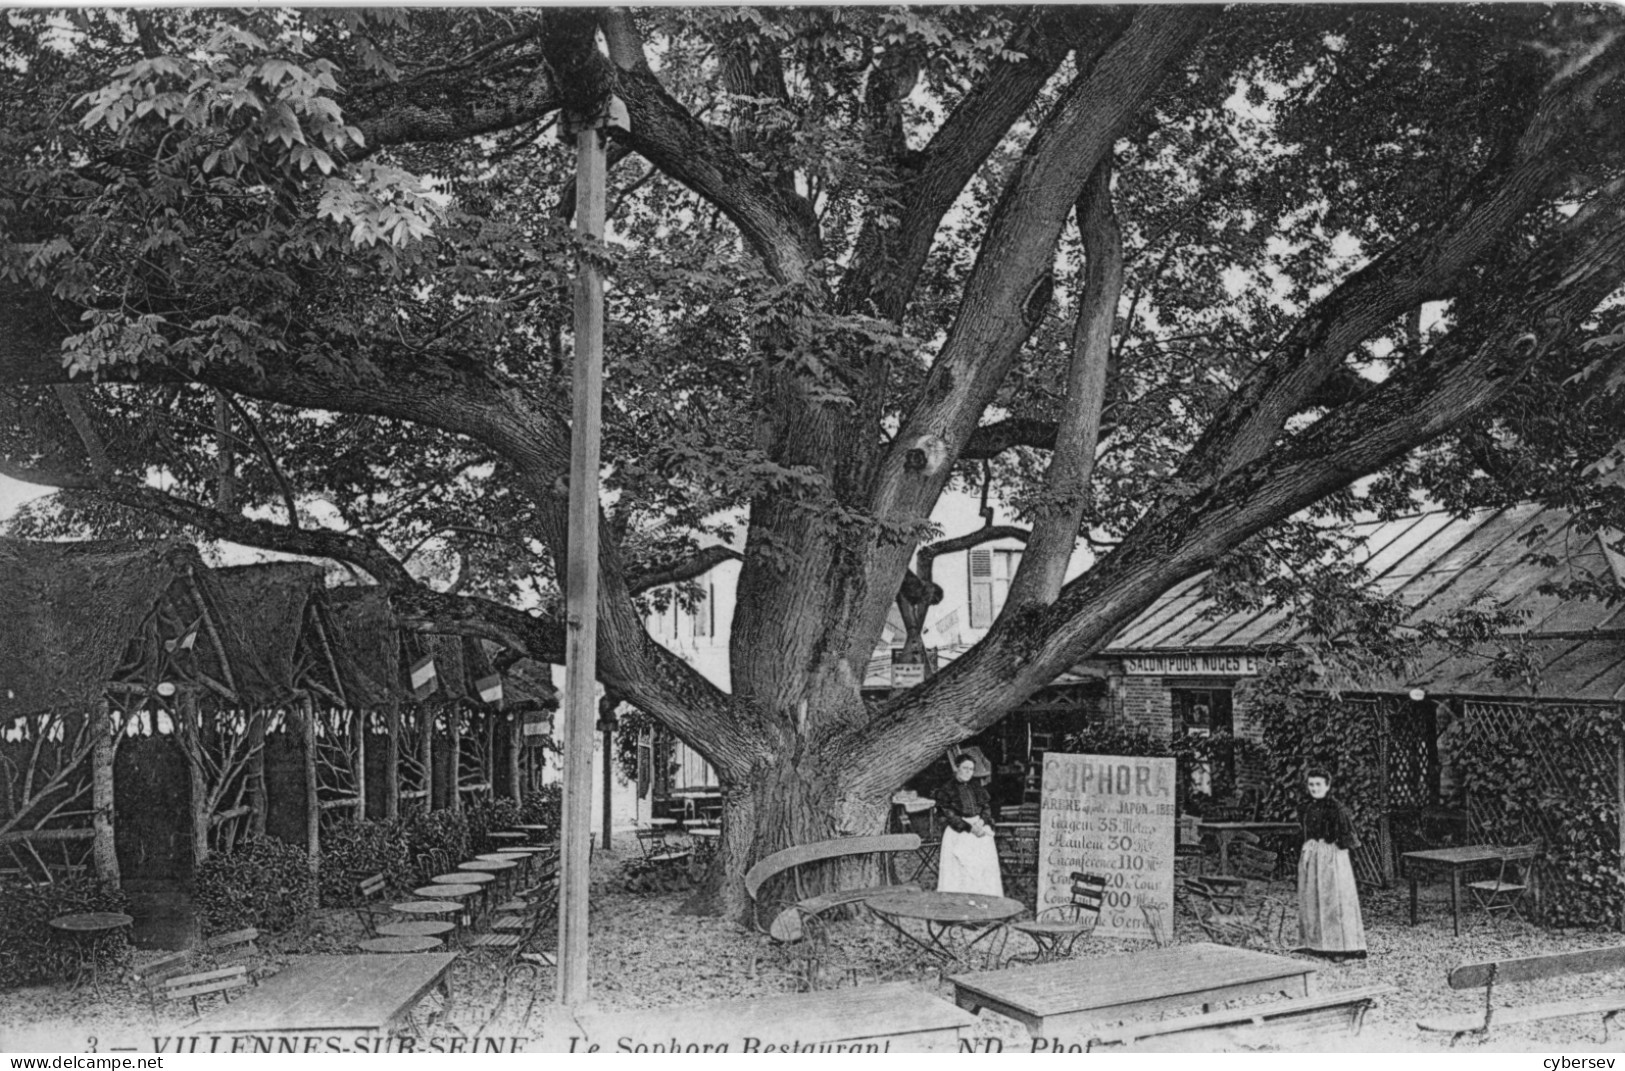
(392,760)
(313,810)
(1619,817)
(426,748)
(103,849)
(256,771)
(454,758)
(1385,841)
(581,588)
(186,709)
(609,795)
(360,716)
(516,742)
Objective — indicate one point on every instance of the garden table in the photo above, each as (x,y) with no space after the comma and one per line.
(88,930)
(943,913)
(368,994)
(1061,998)
(509,834)
(428,907)
(463,877)
(426,928)
(1225,832)
(1453,860)
(395,945)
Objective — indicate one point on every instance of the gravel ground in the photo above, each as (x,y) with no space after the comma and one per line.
(646,953)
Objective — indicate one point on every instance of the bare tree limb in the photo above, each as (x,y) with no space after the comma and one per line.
(702,562)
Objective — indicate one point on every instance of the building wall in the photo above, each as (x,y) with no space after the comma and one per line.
(1146,704)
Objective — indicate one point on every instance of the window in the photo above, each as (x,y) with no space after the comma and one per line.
(990,575)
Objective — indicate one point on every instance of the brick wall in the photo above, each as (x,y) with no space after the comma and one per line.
(1145,704)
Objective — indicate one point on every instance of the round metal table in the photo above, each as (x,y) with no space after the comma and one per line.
(428,907)
(944,912)
(400,944)
(448,891)
(463,877)
(88,930)
(425,928)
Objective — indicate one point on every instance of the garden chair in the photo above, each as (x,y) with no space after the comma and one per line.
(1227,915)
(1502,896)
(1056,930)
(152,975)
(240,947)
(224,980)
(1252,862)
(1190,854)
(1158,922)
(370,906)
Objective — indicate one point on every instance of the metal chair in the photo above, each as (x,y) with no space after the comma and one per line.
(1222,908)
(1502,896)
(1056,930)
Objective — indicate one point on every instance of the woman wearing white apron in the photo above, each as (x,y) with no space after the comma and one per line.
(1328,899)
(970,859)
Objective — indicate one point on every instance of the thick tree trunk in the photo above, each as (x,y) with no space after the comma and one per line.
(799,801)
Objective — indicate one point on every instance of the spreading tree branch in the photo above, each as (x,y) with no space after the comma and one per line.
(1066,481)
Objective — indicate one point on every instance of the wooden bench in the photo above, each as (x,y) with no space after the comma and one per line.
(1531,969)
(1280,1025)
(785,923)
(886,1018)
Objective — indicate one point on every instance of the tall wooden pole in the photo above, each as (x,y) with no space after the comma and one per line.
(581,652)
(608,792)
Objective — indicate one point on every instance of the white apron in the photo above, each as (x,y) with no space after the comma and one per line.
(969,864)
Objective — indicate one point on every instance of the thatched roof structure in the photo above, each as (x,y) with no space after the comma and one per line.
(68,612)
(262,612)
(365,643)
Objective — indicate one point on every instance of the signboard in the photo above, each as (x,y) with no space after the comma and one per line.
(906,674)
(536,727)
(1192,665)
(1111,815)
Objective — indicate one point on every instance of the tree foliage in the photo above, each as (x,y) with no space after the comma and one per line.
(1191,284)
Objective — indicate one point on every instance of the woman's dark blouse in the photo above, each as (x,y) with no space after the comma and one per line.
(1328,820)
(958,801)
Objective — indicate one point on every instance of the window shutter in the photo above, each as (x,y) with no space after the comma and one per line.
(981,588)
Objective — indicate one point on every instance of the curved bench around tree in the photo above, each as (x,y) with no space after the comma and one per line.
(782,917)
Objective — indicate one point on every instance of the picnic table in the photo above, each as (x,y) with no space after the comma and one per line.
(368,994)
(1061,998)
(887,1018)
(1225,832)
(1454,861)
(943,913)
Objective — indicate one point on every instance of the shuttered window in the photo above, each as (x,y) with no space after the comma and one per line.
(990,573)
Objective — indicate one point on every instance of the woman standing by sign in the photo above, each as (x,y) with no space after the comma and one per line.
(1328,900)
(970,860)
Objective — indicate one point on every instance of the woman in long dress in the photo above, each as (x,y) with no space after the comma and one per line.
(970,859)
(1328,900)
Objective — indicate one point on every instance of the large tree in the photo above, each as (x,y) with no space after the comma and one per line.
(1172,279)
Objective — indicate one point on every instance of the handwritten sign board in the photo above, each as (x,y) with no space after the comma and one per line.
(1111,815)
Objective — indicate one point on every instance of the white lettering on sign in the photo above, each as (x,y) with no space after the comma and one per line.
(1110,815)
(1219,665)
